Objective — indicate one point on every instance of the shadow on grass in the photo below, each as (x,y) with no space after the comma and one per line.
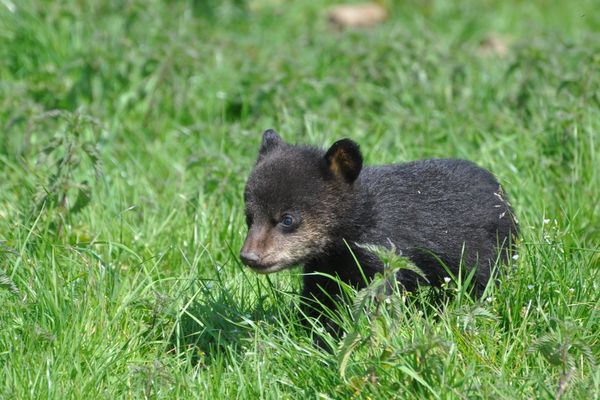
(215,323)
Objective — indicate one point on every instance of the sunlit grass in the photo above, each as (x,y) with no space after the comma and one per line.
(119,274)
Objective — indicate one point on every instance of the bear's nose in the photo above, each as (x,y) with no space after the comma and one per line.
(250,259)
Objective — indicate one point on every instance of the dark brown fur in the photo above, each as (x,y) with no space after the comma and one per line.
(306,206)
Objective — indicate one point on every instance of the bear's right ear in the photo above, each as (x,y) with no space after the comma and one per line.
(270,141)
(344,160)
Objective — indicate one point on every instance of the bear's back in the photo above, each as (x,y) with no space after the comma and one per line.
(451,208)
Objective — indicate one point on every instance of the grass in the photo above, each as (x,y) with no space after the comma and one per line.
(127,131)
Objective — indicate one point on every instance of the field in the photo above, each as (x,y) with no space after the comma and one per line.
(127,130)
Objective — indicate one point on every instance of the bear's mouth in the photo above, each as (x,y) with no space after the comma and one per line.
(260,265)
(265,269)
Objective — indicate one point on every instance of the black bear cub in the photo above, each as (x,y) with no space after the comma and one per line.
(313,207)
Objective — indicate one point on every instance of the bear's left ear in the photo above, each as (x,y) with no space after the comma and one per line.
(270,141)
(344,160)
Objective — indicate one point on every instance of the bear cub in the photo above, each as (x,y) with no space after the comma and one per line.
(317,208)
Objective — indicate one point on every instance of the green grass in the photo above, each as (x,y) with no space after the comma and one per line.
(127,130)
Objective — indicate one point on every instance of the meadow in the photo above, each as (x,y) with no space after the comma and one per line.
(127,130)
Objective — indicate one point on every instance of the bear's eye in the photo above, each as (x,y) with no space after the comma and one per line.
(287,221)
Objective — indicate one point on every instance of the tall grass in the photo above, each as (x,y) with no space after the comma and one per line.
(127,131)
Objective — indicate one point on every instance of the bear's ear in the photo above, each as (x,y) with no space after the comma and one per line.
(344,160)
(270,140)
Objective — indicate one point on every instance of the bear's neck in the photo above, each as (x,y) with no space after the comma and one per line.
(358,216)
(356,220)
